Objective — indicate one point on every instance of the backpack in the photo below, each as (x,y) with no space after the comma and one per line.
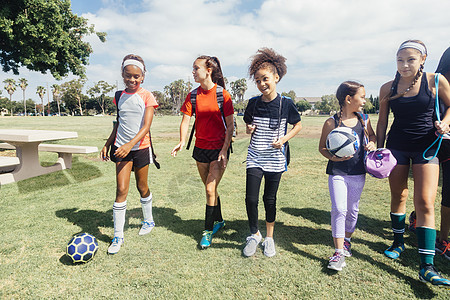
(219,96)
(117,97)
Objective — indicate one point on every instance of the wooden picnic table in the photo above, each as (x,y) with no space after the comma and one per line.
(26,143)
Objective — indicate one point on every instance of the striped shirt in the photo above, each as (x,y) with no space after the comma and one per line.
(270,126)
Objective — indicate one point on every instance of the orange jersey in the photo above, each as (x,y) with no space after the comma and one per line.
(209,124)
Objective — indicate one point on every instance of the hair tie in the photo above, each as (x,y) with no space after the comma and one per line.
(413,45)
(134,63)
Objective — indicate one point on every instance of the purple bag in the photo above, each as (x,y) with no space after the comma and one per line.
(379,163)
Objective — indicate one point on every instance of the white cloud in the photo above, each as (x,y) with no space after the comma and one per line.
(325,42)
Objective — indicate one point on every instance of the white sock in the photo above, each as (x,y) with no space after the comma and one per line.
(119,210)
(347,239)
(147,208)
(340,251)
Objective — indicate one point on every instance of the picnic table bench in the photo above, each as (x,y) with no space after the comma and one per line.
(27,144)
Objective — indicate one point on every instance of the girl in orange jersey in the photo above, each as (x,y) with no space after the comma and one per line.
(214,130)
(129,146)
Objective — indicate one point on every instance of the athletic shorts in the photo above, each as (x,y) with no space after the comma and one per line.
(406,157)
(140,158)
(207,155)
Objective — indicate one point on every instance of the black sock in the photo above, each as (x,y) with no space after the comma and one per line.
(209,217)
(218,211)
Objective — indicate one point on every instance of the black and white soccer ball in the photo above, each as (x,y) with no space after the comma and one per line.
(342,141)
(82,247)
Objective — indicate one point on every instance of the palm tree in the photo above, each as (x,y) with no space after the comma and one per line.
(40,90)
(56,90)
(10,86)
(23,85)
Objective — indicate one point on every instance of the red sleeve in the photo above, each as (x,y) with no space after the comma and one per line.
(186,108)
(227,104)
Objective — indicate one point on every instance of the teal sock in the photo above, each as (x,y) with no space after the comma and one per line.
(426,238)
(398,227)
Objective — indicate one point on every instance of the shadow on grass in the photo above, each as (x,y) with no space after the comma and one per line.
(80,172)
(366,224)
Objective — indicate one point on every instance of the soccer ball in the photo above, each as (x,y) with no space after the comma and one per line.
(342,141)
(82,247)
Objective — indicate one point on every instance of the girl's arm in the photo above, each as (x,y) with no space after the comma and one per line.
(184,126)
(279,143)
(104,153)
(383,114)
(371,146)
(326,129)
(444,95)
(229,120)
(123,150)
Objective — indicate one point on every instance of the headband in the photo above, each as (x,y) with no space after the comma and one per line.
(134,63)
(413,45)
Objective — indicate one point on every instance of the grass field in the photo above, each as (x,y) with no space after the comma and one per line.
(39,216)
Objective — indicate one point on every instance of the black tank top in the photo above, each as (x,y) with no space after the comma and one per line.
(355,165)
(413,129)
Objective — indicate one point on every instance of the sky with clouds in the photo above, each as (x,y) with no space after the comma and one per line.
(325,41)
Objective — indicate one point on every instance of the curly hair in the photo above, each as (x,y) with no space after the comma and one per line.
(267,58)
(214,63)
(135,57)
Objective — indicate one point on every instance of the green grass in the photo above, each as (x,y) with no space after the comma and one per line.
(39,216)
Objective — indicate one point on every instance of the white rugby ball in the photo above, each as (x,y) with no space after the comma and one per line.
(342,141)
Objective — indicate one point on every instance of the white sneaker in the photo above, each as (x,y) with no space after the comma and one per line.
(269,247)
(115,245)
(252,243)
(146,227)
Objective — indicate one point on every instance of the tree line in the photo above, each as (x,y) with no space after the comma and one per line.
(68,98)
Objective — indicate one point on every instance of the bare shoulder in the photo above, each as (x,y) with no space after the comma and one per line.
(385,88)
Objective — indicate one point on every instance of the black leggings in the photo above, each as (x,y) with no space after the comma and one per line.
(446,183)
(253,183)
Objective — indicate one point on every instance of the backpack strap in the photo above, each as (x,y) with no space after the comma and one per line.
(116,98)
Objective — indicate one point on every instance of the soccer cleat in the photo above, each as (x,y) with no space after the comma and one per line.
(269,247)
(146,227)
(251,245)
(412,222)
(206,239)
(115,245)
(218,226)
(428,273)
(337,262)
(443,248)
(347,249)
(394,252)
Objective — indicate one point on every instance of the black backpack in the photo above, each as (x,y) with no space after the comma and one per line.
(219,94)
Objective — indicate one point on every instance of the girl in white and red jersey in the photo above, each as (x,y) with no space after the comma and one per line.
(214,130)
(129,146)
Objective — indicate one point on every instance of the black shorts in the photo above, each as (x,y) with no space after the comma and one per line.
(140,158)
(207,155)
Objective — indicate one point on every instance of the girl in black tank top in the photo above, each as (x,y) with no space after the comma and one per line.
(410,95)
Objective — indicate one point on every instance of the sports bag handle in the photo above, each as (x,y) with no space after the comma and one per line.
(440,136)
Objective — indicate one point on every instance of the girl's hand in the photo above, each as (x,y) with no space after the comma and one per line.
(104,153)
(442,127)
(176,149)
(277,144)
(370,146)
(223,157)
(123,151)
(344,158)
(250,128)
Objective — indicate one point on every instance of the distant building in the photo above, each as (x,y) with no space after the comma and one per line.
(312,101)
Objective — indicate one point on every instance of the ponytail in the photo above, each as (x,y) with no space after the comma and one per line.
(214,63)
